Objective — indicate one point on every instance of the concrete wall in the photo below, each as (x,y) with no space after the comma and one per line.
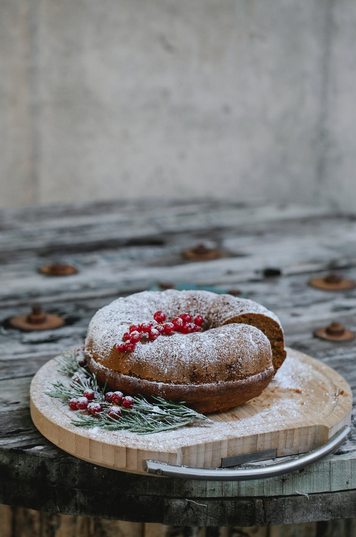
(160,98)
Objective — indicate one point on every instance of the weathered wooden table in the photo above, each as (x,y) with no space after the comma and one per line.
(123,247)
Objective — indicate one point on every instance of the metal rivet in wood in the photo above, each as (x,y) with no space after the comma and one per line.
(332,282)
(272,272)
(36,320)
(203,253)
(334,332)
(166,285)
(58,269)
(234,292)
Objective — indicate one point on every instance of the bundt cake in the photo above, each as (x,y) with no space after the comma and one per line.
(235,351)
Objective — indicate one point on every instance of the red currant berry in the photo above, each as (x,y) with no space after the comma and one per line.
(197,328)
(116,398)
(82,403)
(146,327)
(168,328)
(126,336)
(134,328)
(159,317)
(127,401)
(89,394)
(94,408)
(135,336)
(186,328)
(186,317)
(198,319)
(160,328)
(153,334)
(109,396)
(129,347)
(178,323)
(73,404)
(114,413)
(120,347)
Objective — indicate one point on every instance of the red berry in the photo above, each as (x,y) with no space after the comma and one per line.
(73,404)
(160,328)
(178,323)
(89,394)
(186,328)
(135,336)
(129,347)
(126,336)
(134,328)
(168,328)
(159,316)
(108,397)
(120,347)
(116,398)
(146,327)
(198,319)
(186,317)
(94,408)
(153,334)
(127,402)
(197,328)
(114,413)
(82,403)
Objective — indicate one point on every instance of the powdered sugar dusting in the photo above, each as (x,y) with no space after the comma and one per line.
(226,307)
(298,390)
(217,351)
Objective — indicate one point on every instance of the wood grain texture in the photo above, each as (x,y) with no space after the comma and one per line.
(303,407)
(124,247)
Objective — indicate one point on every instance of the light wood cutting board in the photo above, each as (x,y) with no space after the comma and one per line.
(304,406)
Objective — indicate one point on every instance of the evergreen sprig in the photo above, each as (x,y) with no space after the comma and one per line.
(145,417)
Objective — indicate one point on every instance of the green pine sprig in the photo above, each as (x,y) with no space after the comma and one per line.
(145,417)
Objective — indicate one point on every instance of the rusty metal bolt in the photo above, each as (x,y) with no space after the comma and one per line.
(58,269)
(334,332)
(272,272)
(333,278)
(332,282)
(36,316)
(234,292)
(36,320)
(166,285)
(202,253)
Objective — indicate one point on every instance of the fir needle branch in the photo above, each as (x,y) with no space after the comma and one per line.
(146,417)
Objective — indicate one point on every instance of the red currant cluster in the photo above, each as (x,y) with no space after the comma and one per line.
(149,330)
(116,399)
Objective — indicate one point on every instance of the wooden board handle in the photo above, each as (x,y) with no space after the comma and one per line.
(261,472)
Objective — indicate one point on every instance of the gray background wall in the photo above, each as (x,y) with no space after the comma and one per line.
(183,98)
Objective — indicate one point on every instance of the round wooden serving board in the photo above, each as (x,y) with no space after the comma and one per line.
(304,406)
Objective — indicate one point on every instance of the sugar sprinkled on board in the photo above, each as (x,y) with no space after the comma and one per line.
(284,402)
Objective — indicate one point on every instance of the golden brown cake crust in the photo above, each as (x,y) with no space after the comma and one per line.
(204,398)
(239,351)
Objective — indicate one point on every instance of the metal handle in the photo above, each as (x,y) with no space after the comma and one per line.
(218,474)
